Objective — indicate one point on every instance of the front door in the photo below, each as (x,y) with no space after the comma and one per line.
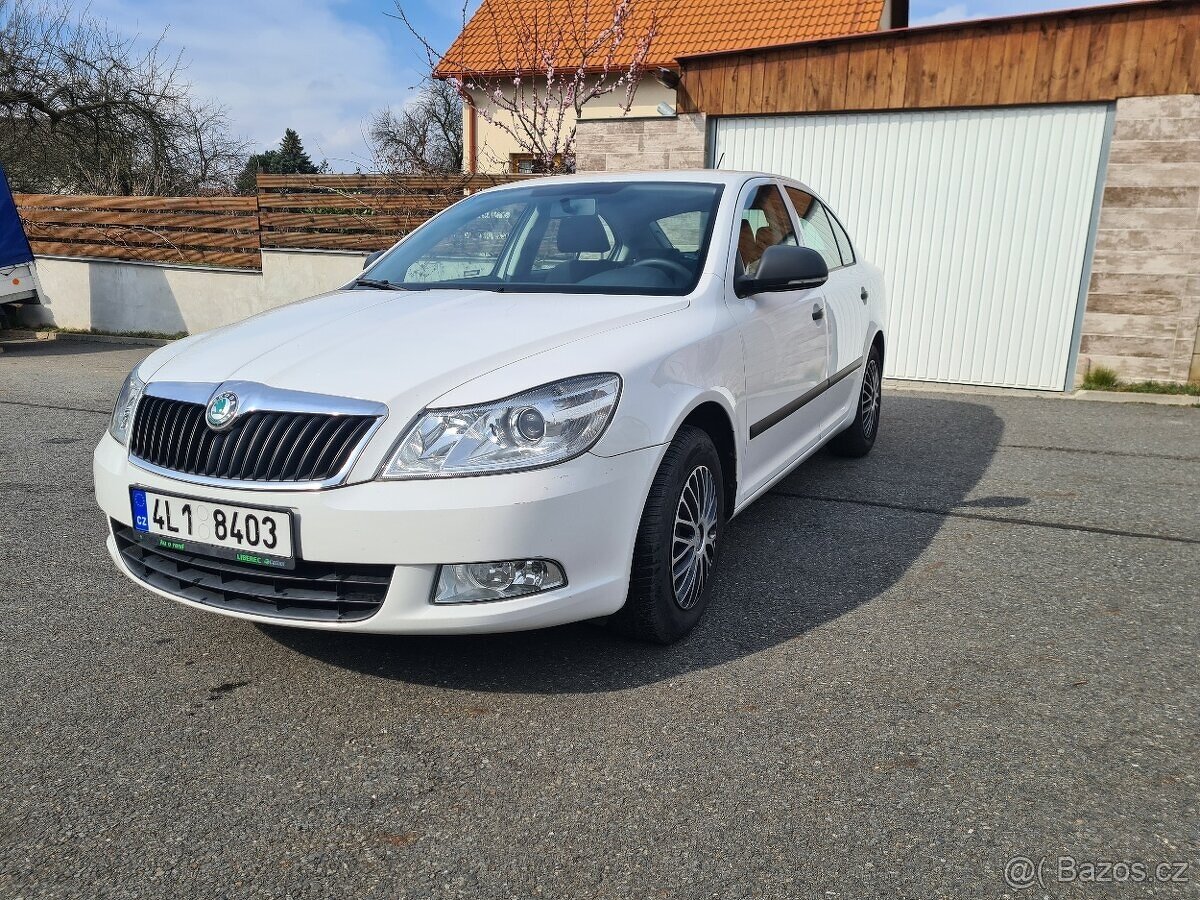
(784,340)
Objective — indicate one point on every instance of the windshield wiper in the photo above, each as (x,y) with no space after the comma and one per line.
(381,283)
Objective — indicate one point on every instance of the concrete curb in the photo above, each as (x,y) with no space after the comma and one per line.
(1129,397)
(936,387)
(36,338)
(933,387)
(21,339)
(113,339)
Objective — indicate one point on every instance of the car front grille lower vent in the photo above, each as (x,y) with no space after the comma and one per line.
(261,445)
(318,592)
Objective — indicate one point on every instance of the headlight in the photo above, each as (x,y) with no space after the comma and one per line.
(127,401)
(541,427)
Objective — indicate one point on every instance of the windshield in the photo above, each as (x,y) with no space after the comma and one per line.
(633,238)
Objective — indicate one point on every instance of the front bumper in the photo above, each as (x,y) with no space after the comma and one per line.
(583,514)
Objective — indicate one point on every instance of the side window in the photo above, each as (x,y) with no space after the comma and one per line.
(815,230)
(764,223)
(843,240)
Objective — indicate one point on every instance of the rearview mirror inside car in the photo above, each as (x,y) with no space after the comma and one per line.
(785,268)
(574,206)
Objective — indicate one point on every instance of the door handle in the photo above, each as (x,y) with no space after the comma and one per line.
(864,295)
(818,312)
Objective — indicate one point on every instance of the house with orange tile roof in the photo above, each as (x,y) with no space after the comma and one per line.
(501,58)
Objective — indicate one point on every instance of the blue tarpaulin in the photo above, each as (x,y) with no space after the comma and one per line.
(14,248)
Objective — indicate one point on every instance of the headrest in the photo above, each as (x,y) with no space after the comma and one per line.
(765,236)
(748,248)
(582,234)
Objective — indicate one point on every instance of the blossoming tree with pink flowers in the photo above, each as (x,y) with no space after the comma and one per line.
(529,69)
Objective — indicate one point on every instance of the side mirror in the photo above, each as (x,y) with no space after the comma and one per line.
(785,268)
(371,257)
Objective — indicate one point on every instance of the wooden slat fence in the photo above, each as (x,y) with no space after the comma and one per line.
(354,212)
(211,231)
(319,212)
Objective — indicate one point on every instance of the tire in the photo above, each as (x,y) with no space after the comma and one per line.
(859,438)
(663,605)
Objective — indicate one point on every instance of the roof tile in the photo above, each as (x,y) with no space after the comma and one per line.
(504,36)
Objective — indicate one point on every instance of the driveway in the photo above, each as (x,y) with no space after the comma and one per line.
(978,643)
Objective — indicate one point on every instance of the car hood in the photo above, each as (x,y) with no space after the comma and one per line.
(404,349)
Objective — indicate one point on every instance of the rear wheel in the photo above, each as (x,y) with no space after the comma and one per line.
(677,542)
(859,438)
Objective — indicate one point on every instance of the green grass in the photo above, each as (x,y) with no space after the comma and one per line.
(1100,379)
(1105,379)
(1190,389)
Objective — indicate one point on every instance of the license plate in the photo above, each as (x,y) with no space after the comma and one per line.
(245,534)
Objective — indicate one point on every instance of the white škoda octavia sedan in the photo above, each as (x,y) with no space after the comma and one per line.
(541,406)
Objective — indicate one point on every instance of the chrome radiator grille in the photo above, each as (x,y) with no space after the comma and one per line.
(262,445)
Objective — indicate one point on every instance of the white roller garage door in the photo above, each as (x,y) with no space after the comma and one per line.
(979,218)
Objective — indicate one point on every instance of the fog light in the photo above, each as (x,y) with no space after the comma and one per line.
(481,582)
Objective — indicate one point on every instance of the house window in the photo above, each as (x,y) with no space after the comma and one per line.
(528,164)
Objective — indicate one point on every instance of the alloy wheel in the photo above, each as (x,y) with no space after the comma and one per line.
(870,398)
(694,543)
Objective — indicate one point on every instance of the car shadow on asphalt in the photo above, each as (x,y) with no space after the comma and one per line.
(832,536)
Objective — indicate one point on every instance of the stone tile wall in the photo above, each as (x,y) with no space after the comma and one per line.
(630,145)
(1143,303)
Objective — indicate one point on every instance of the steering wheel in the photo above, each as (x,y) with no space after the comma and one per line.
(668,265)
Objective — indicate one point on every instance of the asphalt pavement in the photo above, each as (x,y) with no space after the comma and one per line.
(976,645)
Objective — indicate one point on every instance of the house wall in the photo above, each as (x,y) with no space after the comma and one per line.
(1143,302)
(494,145)
(110,295)
(638,144)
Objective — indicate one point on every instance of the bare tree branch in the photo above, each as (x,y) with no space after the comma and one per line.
(83,109)
(424,137)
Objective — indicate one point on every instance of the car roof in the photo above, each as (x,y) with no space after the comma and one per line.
(686,176)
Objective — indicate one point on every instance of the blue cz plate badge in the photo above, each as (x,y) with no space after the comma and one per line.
(141,519)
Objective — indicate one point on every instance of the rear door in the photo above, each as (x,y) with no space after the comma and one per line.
(846,292)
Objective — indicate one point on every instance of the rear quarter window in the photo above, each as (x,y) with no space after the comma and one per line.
(815,228)
(843,239)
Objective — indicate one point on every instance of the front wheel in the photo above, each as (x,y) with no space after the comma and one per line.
(859,438)
(677,542)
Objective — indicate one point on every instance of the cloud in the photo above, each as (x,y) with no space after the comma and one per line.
(276,65)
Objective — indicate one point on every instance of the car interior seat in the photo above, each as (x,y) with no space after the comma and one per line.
(581,234)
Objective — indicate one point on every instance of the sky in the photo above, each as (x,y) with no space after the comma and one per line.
(322,66)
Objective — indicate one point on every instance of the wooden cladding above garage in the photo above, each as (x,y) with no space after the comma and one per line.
(1102,53)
